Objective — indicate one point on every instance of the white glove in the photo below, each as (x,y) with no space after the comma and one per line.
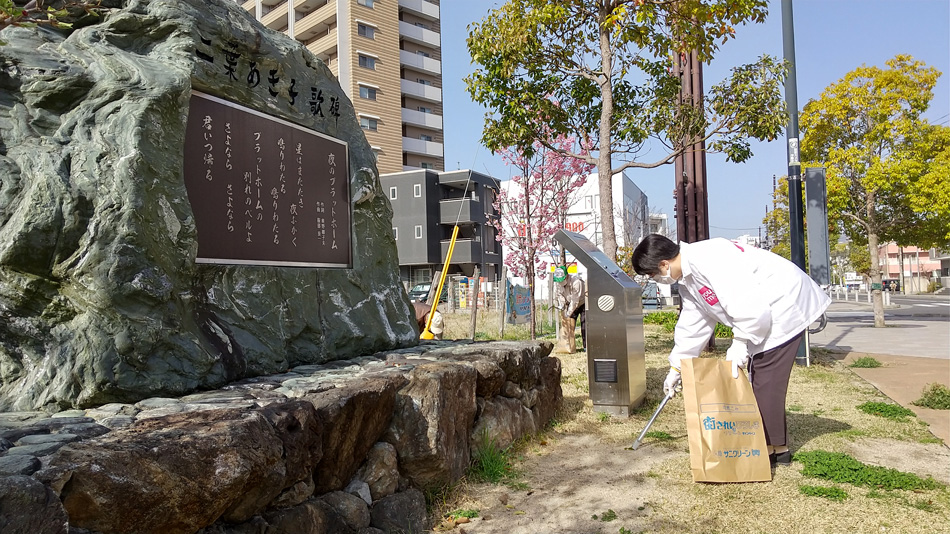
(738,354)
(672,380)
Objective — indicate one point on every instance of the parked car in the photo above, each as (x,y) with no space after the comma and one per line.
(420,292)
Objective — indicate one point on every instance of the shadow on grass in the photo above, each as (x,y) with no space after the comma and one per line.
(803,427)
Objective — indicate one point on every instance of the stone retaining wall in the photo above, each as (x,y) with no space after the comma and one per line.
(343,447)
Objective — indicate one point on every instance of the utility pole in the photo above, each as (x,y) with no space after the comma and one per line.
(796,226)
(690,195)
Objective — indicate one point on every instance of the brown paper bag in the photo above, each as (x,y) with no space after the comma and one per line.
(726,436)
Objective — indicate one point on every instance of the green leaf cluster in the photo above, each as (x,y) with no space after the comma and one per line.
(558,63)
(865,362)
(886,165)
(886,410)
(842,468)
(607,71)
(834,494)
(666,319)
(935,396)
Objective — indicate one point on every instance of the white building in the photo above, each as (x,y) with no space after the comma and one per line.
(659,224)
(631,219)
(631,211)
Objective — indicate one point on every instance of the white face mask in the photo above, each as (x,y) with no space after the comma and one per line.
(661,278)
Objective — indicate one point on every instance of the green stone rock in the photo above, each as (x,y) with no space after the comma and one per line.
(101,299)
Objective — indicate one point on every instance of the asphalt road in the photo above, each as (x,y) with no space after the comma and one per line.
(901,306)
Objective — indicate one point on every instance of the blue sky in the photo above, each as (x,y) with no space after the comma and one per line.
(832,37)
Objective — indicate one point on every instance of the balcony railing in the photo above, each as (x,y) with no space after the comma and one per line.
(461,209)
(422,148)
(421,7)
(419,35)
(316,22)
(277,18)
(323,46)
(420,91)
(465,251)
(420,63)
(420,118)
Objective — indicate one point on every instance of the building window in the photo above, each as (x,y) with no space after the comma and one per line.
(427,165)
(423,81)
(368,93)
(417,190)
(418,231)
(369,124)
(422,53)
(425,109)
(376,155)
(366,31)
(367,62)
(396,233)
(392,193)
(366,3)
(425,137)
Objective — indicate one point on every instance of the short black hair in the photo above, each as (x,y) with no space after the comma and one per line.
(650,252)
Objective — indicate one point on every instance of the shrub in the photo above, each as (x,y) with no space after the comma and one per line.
(723,330)
(935,396)
(666,319)
(865,362)
(842,468)
(887,410)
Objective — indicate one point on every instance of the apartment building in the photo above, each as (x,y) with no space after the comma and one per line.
(913,268)
(426,207)
(387,57)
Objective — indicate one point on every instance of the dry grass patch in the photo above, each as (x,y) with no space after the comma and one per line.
(578,469)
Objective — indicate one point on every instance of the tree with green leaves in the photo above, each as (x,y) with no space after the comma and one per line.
(886,165)
(605,70)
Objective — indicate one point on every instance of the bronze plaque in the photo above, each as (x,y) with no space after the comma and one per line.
(265,191)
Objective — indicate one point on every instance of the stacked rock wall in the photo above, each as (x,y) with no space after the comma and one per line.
(334,448)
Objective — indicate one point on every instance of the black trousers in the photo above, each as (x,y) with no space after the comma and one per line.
(769,373)
(581,312)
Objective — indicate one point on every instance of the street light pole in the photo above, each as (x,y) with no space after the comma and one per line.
(795,211)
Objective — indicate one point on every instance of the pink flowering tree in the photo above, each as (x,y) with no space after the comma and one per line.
(534,207)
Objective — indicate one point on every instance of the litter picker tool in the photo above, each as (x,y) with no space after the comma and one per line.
(666,399)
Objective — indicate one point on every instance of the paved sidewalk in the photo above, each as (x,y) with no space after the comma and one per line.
(915,352)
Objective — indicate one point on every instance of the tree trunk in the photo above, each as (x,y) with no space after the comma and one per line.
(533,312)
(875,271)
(604,175)
(474,286)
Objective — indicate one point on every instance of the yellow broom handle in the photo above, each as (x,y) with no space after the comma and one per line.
(426,334)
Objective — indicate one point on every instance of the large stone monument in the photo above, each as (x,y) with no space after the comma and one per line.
(186,199)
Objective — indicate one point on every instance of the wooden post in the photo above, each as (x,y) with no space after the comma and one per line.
(433,286)
(471,329)
(503,305)
(451,294)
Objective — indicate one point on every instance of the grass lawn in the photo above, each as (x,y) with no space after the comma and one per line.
(867,455)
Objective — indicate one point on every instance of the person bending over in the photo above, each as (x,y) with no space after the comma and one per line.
(766,300)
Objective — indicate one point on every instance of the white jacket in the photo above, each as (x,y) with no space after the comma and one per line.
(766,299)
